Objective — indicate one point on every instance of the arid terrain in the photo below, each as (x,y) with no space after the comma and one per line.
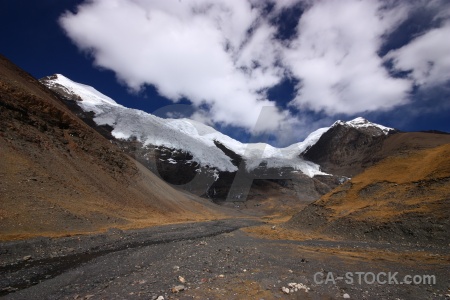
(404,197)
(213,260)
(59,176)
(81,219)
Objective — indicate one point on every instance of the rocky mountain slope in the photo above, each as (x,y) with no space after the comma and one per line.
(348,148)
(59,176)
(404,198)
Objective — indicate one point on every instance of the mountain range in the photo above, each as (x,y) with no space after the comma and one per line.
(202,160)
(91,163)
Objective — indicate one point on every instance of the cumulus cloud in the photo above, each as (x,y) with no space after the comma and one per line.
(427,57)
(223,55)
(335,56)
(200,50)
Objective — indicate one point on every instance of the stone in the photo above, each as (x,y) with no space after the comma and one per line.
(178,288)
(346,296)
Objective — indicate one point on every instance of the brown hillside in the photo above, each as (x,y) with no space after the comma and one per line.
(403,198)
(59,176)
(349,151)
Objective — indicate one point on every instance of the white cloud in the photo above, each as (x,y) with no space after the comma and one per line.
(427,57)
(335,57)
(223,55)
(193,49)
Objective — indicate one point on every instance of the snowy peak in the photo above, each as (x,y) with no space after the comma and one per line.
(347,147)
(360,121)
(76,91)
(364,124)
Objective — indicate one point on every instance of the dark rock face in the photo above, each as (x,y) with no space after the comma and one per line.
(235,158)
(245,185)
(345,150)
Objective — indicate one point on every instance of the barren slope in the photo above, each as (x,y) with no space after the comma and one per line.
(403,198)
(348,151)
(59,176)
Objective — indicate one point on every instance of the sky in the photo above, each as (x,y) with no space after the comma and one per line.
(257,70)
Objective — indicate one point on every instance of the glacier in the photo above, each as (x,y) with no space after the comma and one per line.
(189,135)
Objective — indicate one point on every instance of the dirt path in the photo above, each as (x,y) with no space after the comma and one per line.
(215,259)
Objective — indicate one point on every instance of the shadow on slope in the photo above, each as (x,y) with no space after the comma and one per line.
(58,176)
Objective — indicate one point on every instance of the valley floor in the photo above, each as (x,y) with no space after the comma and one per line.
(225,259)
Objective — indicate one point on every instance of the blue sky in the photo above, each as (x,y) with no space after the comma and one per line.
(256,70)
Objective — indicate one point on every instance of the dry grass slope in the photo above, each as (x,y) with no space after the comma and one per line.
(58,176)
(402,198)
(419,182)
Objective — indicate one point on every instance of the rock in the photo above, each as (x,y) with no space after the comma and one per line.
(285,290)
(301,286)
(160,298)
(176,268)
(274,227)
(295,287)
(346,296)
(178,288)
(221,276)
(181,279)
(28,257)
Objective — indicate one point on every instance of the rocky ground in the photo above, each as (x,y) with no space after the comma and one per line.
(211,260)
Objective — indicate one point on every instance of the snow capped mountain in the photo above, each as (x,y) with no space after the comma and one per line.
(188,135)
(191,136)
(361,123)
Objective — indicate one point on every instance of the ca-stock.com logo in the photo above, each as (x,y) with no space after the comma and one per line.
(391,278)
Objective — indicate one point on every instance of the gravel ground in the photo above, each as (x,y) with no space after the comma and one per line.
(209,260)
